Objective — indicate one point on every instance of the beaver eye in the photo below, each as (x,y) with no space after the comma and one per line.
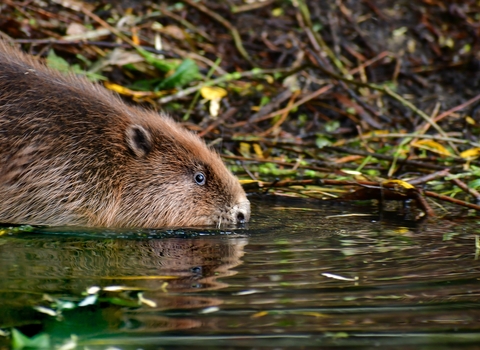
(200,179)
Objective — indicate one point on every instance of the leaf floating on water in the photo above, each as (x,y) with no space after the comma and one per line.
(90,300)
(122,302)
(247,292)
(114,288)
(166,277)
(145,301)
(46,310)
(65,304)
(337,335)
(348,215)
(8,230)
(93,290)
(338,277)
(21,341)
(259,314)
(311,313)
(209,310)
(70,344)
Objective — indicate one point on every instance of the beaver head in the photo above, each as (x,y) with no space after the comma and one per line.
(172,173)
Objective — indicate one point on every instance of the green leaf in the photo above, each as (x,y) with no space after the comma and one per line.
(321,141)
(21,341)
(57,62)
(184,74)
(474,184)
(332,126)
(160,64)
(122,302)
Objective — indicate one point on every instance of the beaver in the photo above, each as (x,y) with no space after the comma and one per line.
(73,153)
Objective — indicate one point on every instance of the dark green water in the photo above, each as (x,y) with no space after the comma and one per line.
(302,275)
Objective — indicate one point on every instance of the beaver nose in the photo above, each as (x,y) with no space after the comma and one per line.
(241,218)
(242,212)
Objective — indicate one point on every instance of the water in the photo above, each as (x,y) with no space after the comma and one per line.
(302,275)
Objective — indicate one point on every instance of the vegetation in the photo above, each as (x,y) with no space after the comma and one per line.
(332,99)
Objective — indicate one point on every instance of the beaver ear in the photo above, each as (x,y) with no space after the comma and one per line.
(139,140)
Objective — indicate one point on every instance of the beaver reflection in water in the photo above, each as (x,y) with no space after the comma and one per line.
(72,153)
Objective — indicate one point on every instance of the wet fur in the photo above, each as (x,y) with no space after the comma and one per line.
(72,153)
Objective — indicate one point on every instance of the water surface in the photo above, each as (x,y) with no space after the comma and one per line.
(302,274)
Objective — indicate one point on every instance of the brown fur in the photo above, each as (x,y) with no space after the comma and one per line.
(72,153)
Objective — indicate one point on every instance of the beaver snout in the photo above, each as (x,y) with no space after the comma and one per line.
(241,212)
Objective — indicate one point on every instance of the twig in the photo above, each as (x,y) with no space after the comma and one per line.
(315,38)
(419,112)
(94,43)
(307,98)
(274,103)
(259,160)
(218,121)
(424,179)
(451,200)
(225,78)
(457,108)
(182,21)
(283,116)
(385,157)
(252,6)
(465,188)
(389,92)
(370,184)
(424,136)
(422,202)
(235,35)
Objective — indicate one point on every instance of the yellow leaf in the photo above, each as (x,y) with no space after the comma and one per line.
(114,87)
(244,149)
(401,183)
(260,314)
(213,92)
(470,153)
(242,182)
(124,91)
(375,133)
(470,120)
(135,38)
(432,146)
(311,313)
(402,231)
(258,150)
